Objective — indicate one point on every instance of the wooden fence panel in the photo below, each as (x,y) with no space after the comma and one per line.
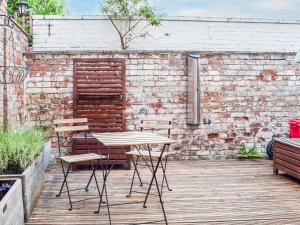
(99,95)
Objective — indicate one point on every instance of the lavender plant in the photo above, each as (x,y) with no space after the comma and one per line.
(4,188)
(18,149)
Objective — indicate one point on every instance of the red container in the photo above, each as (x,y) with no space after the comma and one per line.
(294,127)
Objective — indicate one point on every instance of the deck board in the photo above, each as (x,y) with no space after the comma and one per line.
(204,192)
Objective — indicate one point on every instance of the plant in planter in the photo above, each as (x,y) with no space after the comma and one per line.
(22,156)
(248,153)
(47,130)
(19,148)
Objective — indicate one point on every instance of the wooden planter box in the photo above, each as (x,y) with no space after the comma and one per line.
(47,154)
(11,206)
(286,156)
(32,182)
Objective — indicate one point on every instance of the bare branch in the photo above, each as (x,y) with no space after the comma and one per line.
(132,28)
(119,32)
(138,34)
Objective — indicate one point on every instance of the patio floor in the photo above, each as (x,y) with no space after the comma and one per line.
(204,192)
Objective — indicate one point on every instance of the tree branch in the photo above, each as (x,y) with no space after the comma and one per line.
(131,15)
(132,28)
(138,35)
(117,29)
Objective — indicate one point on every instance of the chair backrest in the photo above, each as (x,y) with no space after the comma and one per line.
(156,123)
(71,125)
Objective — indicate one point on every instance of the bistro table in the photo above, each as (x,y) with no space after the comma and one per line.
(132,139)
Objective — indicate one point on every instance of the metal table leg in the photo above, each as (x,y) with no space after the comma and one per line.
(105,173)
(154,178)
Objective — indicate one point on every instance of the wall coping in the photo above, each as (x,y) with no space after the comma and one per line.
(176,18)
(56,52)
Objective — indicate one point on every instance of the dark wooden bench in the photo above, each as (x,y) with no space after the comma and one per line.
(286,156)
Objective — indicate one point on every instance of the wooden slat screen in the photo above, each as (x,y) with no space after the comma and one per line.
(99,95)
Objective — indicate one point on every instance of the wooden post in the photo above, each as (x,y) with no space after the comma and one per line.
(30,22)
(23,22)
(16,16)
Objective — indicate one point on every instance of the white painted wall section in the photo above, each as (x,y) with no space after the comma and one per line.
(95,33)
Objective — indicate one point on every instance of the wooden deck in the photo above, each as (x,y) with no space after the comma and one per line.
(204,192)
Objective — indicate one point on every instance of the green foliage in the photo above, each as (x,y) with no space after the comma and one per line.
(47,7)
(43,7)
(47,129)
(246,153)
(18,148)
(11,7)
(131,18)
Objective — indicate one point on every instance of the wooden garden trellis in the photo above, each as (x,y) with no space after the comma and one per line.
(99,95)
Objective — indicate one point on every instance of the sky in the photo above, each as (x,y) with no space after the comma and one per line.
(273,9)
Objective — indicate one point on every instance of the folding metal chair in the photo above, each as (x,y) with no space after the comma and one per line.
(154,124)
(77,132)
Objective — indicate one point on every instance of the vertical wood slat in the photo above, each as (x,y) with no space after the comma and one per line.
(99,95)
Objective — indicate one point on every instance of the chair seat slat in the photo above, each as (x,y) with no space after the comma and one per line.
(144,153)
(69,121)
(71,128)
(81,157)
(154,126)
(156,118)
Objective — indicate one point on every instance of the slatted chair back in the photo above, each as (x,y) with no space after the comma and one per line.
(156,123)
(70,125)
(70,121)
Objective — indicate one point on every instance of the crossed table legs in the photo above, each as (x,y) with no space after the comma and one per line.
(107,169)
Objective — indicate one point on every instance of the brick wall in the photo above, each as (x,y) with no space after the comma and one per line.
(13,44)
(246,96)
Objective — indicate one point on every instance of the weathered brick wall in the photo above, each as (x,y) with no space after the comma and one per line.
(13,44)
(246,96)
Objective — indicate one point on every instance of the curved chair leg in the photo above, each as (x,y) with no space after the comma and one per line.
(133,176)
(138,173)
(91,177)
(69,196)
(164,168)
(63,184)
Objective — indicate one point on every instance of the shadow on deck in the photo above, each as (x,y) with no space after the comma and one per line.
(204,192)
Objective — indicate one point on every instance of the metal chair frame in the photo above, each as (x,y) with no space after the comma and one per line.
(163,166)
(66,172)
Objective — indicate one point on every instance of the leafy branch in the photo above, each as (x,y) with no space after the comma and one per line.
(131,18)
